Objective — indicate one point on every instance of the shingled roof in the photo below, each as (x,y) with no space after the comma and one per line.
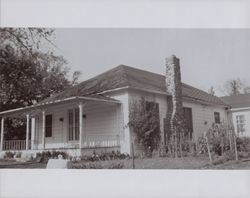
(125,76)
(237,101)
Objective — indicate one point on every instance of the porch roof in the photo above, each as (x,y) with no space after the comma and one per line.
(97,98)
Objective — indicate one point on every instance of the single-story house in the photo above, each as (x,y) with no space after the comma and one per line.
(95,113)
(239,112)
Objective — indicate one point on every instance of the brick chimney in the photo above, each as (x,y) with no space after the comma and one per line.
(174,117)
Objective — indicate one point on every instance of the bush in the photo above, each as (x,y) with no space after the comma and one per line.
(98,165)
(219,160)
(114,155)
(18,154)
(46,155)
(55,154)
(243,144)
(228,155)
(9,155)
(220,139)
(243,154)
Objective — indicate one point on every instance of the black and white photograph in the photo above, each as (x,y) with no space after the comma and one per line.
(125,98)
(134,98)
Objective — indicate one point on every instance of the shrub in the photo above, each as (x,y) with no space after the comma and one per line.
(18,154)
(9,155)
(220,139)
(219,160)
(228,155)
(55,154)
(105,156)
(243,154)
(243,144)
(46,155)
(98,165)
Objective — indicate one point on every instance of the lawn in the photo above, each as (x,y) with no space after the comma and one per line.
(23,165)
(146,163)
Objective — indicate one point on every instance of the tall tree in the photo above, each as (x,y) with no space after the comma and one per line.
(26,81)
(233,87)
(211,90)
(28,74)
(25,39)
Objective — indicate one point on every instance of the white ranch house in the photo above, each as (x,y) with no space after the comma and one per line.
(94,114)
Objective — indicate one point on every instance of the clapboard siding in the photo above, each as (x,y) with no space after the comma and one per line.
(112,119)
(123,116)
(101,118)
(204,114)
(135,95)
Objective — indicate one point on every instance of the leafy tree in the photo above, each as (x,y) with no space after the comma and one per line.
(27,73)
(25,39)
(26,81)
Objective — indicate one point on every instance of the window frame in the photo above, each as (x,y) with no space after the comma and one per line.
(48,127)
(240,123)
(186,109)
(73,128)
(217,119)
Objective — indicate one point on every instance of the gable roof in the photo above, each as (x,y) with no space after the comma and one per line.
(125,76)
(237,101)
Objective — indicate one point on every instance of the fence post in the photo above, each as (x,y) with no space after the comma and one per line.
(176,143)
(235,147)
(133,157)
(208,148)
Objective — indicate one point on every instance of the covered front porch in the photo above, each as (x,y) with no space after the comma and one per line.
(77,123)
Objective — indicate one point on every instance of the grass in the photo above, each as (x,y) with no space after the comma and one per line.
(23,165)
(146,163)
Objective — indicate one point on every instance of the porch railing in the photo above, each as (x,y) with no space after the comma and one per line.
(15,145)
(90,141)
(101,140)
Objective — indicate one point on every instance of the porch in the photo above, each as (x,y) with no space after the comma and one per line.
(75,123)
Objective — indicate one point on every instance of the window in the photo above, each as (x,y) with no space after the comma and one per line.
(188,119)
(217,117)
(48,126)
(152,108)
(74,124)
(151,105)
(240,123)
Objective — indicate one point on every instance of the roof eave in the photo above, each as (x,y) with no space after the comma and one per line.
(42,105)
(204,102)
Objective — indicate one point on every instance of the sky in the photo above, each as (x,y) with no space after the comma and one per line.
(208,57)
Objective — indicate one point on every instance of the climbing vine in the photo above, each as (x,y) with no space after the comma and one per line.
(145,123)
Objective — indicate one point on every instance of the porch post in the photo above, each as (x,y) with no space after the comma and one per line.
(2,134)
(27,130)
(43,129)
(80,125)
(33,122)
